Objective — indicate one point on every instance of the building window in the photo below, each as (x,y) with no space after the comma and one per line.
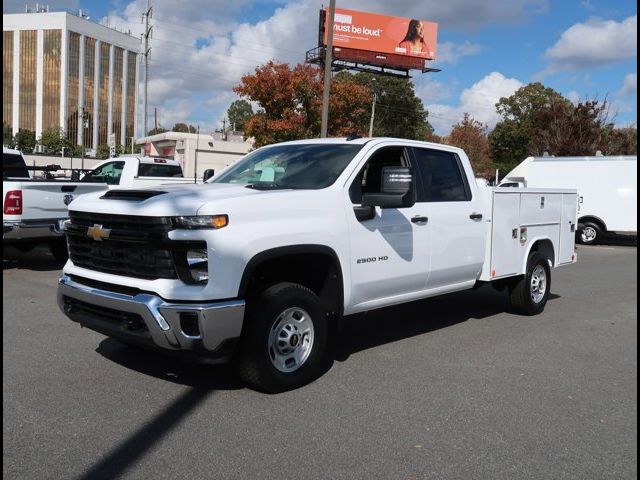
(51,79)
(131,93)
(28,57)
(103,108)
(74,84)
(117,94)
(89,85)
(7,87)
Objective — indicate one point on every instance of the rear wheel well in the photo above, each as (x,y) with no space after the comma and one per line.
(545,248)
(318,271)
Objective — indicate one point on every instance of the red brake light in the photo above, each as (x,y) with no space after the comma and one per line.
(13,202)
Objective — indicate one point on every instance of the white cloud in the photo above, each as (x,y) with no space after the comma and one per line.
(199,51)
(456,14)
(592,44)
(449,52)
(629,85)
(478,101)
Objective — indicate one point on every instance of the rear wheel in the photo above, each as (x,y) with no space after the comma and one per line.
(284,341)
(530,293)
(590,234)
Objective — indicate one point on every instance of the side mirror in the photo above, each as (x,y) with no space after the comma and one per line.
(208,173)
(397,190)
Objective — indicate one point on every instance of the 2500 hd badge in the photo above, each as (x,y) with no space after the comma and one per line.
(372,259)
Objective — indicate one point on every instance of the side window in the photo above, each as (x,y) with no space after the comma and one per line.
(369,178)
(109,173)
(443,179)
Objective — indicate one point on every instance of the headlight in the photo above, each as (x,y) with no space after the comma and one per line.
(198,265)
(202,221)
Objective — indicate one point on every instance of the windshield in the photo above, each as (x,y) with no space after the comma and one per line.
(310,166)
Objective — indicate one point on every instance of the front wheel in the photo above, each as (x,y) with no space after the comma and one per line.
(530,293)
(284,341)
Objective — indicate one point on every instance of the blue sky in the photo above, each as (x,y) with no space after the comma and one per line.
(200,49)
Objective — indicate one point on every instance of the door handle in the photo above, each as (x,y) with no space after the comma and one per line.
(420,220)
(475,216)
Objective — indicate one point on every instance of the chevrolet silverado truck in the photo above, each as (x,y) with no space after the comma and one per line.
(34,210)
(260,263)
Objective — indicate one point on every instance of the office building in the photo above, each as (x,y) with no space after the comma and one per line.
(62,70)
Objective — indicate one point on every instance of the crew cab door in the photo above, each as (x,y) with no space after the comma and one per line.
(455,210)
(389,253)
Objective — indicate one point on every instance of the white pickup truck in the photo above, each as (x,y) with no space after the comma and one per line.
(260,263)
(33,210)
(136,172)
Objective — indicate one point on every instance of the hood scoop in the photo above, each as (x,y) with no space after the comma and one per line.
(131,195)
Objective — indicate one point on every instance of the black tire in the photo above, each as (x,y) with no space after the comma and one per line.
(264,318)
(590,234)
(522,291)
(59,251)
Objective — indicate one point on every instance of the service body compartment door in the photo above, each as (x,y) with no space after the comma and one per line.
(505,230)
(540,208)
(568,228)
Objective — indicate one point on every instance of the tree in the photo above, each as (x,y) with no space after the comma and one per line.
(514,138)
(619,141)
(155,131)
(239,113)
(471,136)
(183,127)
(289,101)
(53,140)
(399,112)
(25,141)
(563,129)
(103,151)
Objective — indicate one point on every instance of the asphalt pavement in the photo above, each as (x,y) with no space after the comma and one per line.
(454,387)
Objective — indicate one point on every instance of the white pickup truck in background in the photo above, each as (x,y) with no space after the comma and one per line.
(261,262)
(136,172)
(34,210)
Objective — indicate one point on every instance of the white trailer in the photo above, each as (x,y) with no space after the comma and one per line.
(607,189)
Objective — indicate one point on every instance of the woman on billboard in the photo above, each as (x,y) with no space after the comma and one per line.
(413,42)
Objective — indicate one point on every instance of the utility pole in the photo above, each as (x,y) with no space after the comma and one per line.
(373,113)
(328,61)
(224,129)
(155,117)
(147,49)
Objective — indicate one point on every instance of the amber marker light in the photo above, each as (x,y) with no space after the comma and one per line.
(219,221)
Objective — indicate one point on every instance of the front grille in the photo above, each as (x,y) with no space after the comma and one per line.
(136,246)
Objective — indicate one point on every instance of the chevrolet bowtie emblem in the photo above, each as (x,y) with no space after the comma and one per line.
(98,233)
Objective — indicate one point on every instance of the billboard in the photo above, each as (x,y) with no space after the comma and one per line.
(381,33)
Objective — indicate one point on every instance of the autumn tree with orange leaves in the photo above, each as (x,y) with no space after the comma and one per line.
(289,103)
(471,136)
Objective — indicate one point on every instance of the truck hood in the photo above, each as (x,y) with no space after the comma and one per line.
(164,200)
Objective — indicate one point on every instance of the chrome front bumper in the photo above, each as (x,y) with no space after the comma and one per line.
(147,318)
